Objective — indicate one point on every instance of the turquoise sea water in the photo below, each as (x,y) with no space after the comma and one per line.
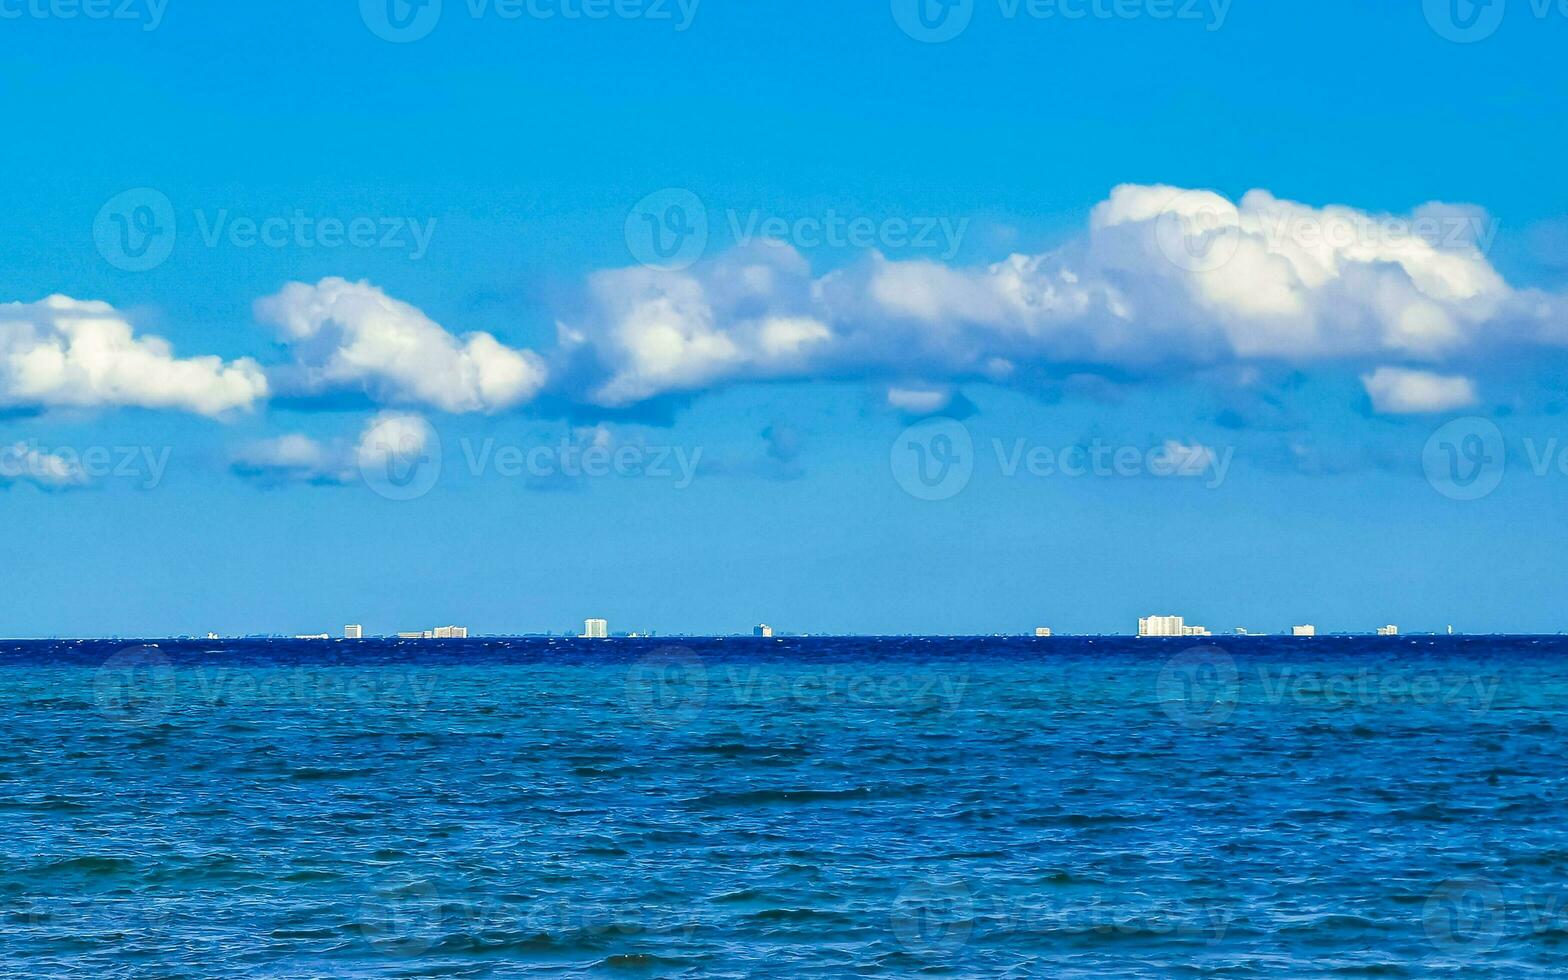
(970,807)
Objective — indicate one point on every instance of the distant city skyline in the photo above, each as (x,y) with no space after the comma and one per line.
(1164,626)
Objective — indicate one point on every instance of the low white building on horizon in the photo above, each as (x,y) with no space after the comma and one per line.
(1304,630)
(439,633)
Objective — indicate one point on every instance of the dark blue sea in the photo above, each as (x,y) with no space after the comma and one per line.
(1254,807)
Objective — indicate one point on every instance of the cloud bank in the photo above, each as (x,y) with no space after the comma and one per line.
(297,458)
(68,353)
(1162,281)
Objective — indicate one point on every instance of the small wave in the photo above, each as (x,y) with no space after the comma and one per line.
(89,865)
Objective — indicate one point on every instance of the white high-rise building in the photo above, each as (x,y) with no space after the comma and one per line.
(1169,626)
(450,633)
(1389,630)
(353,632)
(1161,625)
(762,630)
(596,629)
(1306,630)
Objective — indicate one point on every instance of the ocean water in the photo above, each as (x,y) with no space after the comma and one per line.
(1333,807)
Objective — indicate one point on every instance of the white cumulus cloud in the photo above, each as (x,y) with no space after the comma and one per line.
(352,336)
(743,315)
(1400,391)
(22,463)
(64,352)
(919,401)
(298,458)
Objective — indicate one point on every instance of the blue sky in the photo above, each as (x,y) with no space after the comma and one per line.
(229,458)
